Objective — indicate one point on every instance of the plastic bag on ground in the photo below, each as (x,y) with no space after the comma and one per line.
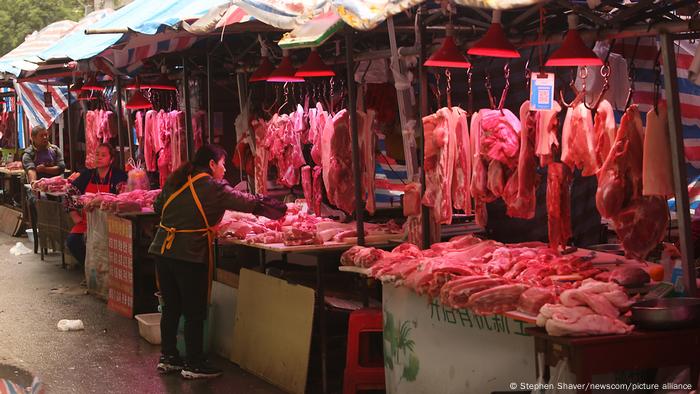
(70,325)
(19,249)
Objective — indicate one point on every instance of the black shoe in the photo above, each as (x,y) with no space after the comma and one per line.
(201,370)
(167,364)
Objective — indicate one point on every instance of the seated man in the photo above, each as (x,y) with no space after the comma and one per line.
(42,159)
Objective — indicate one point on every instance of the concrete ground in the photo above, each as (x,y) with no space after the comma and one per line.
(107,357)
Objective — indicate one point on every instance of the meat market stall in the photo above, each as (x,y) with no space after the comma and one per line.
(118,267)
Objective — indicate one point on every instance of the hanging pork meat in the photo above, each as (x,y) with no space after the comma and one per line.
(559,179)
(367,158)
(495,142)
(261,156)
(283,142)
(439,160)
(639,221)
(578,140)
(656,169)
(519,193)
(461,179)
(604,130)
(546,140)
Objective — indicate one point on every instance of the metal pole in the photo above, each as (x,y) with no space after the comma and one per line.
(129,136)
(675,128)
(17,119)
(422,111)
(71,156)
(352,111)
(404,102)
(210,112)
(188,109)
(120,119)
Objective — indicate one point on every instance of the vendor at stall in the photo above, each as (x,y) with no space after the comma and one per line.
(104,178)
(42,159)
(192,203)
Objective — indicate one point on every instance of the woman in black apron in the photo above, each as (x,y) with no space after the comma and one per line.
(192,203)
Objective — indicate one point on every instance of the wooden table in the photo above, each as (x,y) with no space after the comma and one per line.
(595,355)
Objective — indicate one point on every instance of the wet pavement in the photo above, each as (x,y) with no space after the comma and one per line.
(109,356)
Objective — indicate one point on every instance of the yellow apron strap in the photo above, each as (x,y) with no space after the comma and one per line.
(210,239)
(170,237)
(171,231)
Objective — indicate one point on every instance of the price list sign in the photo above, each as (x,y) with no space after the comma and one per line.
(121,266)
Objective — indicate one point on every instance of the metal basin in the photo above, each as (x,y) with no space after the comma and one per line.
(667,313)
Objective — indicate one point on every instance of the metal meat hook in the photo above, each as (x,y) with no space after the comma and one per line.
(572,86)
(504,94)
(605,73)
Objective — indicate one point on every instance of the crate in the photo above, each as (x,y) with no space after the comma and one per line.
(149,327)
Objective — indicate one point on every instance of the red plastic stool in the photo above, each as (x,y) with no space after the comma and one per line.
(357,376)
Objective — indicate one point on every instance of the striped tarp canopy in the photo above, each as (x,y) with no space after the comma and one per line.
(218,17)
(24,56)
(140,16)
(362,15)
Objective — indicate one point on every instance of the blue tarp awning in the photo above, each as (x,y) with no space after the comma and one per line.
(141,16)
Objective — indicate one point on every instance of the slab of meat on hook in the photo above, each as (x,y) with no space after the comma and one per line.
(546,140)
(500,139)
(340,187)
(261,156)
(578,140)
(519,195)
(604,129)
(317,192)
(284,143)
(656,169)
(439,161)
(642,225)
(559,179)
(620,177)
(367,158)
(307,186)
(461,180)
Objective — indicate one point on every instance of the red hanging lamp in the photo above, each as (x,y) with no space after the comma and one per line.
(160,83)
(76,86)
(138,100)
(314,67)
(448,55)
(285,71)
(92,84)
(573,51)
(494,43)
(86,96)
(265,68)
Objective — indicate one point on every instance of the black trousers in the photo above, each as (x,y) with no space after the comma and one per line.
(76,245)
(183,286)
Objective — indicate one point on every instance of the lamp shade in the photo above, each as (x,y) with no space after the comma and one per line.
(92,84)
(448,55)
(77,86)
(284,72)
(263,71)
(160,83)
(86,96)
(494,44)
(573,52)
(314,67)
(138,101)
